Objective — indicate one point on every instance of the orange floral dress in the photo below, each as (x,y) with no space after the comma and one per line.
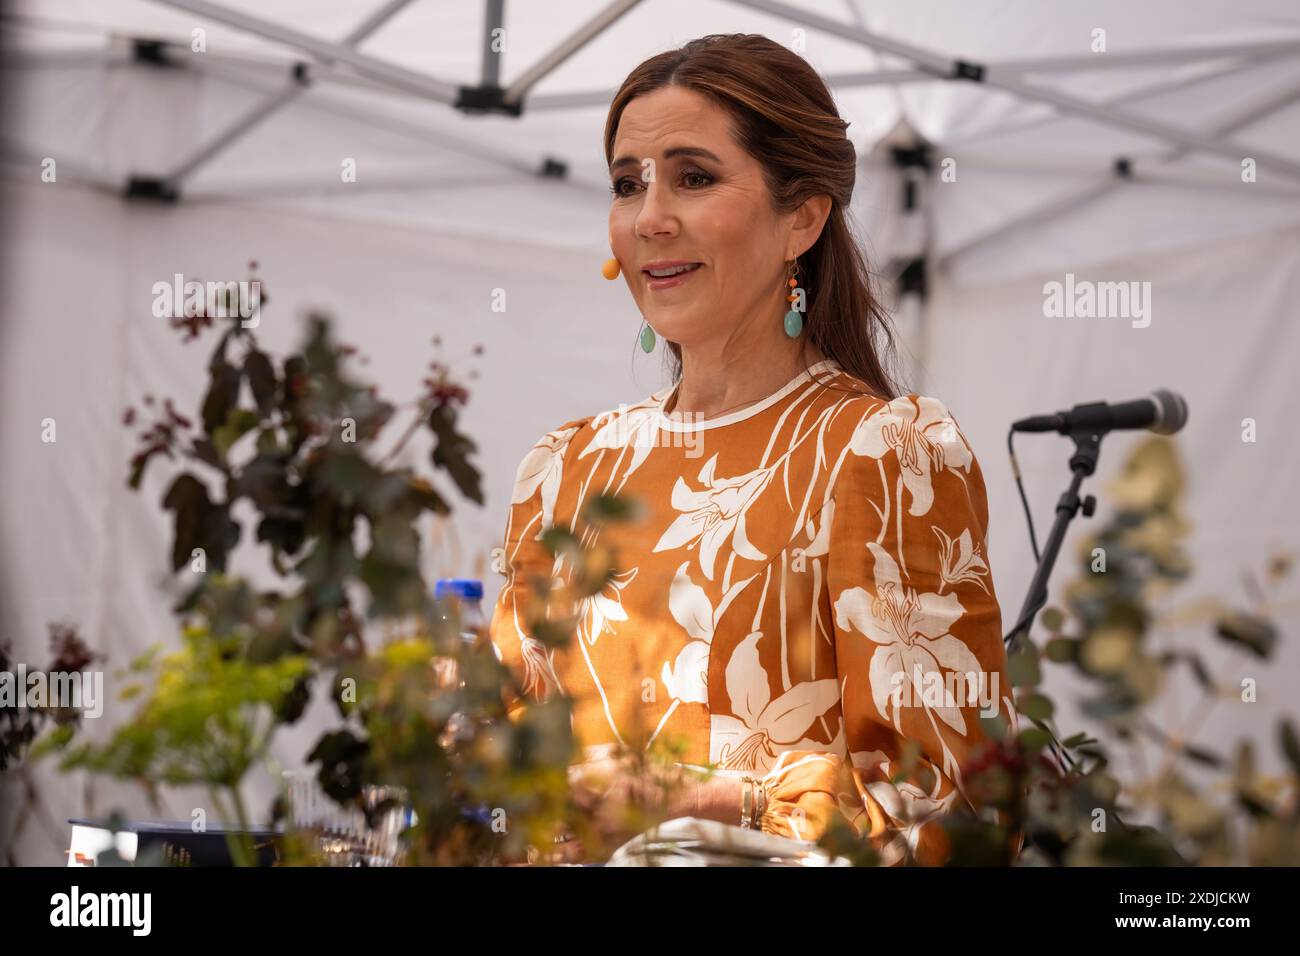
(805,596)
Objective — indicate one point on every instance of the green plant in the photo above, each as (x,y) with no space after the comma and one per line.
(1067,801)
(298,440)
(208,716)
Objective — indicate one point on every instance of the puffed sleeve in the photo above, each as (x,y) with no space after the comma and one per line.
(917,633)
(522,558)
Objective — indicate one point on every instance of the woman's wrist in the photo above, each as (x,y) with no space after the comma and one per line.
(715,798)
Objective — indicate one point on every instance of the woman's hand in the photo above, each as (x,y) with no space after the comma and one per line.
(621,799)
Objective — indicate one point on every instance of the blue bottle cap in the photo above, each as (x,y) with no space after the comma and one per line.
(460,587)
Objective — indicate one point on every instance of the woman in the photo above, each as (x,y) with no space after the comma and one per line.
(811,555)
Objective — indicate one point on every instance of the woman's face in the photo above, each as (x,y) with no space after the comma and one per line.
(686,192)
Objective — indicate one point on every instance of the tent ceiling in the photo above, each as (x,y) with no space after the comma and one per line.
(1183,93)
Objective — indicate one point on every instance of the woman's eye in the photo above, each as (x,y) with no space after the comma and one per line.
(618,191)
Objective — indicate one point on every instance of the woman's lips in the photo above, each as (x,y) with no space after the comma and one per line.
(669,281)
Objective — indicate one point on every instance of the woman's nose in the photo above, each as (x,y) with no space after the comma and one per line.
(656,216)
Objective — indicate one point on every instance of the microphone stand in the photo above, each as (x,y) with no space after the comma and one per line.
(1087,445)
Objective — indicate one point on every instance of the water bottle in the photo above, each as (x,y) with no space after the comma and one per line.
(467,594)
(462,597)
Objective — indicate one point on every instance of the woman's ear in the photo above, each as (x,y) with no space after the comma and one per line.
(809,220)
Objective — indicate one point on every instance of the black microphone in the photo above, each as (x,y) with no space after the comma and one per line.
(1163,411)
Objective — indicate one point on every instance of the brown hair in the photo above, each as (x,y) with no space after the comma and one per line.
(783,115)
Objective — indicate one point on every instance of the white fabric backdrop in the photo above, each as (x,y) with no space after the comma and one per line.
(397,265)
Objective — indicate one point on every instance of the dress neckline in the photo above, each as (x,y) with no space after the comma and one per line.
(678,425)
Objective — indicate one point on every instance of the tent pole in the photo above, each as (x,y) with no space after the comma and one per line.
(493,19)
(389,73)
(484,150)
(1138,170)
(949,68)
(1252,113)
(556,101)
(1160,87)
(260,74)
(1108,60)
(567,47)
(73,59)
(245,124)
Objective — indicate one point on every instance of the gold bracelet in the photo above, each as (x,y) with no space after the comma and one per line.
(753,803)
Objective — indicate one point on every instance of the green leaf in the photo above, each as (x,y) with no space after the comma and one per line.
(188,499)
(239,423)
(198,523)
(995,727)
(342,756)
(425,496)
(1062,650)
(268,441)
(1022,668)
(206,452)
(285,535)
(1035,706)
(451,451)
(558,540)
(56,739)
(264,481)
(223,393)
(261,379)
(1250,631)
(138,463)
(1035,738)
(1052,619)
(613,508)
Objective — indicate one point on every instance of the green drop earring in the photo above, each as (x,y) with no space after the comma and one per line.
(647,339)
(793,320)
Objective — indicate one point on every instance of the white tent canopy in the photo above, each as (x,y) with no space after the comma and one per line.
(1170,158)
(1181,92)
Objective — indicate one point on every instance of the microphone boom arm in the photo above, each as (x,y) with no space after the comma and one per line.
(1083,463)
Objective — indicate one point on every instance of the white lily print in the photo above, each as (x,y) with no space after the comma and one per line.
(923,436)
(596,611)
(761,726)
(776,590)
(540,679)
(912,631)
(709,517)
(910,808)
(637,426)
(960,560)
(543,466)
(687,679)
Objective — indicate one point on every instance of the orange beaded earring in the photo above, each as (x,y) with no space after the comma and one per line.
(610,269)
(793,320)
